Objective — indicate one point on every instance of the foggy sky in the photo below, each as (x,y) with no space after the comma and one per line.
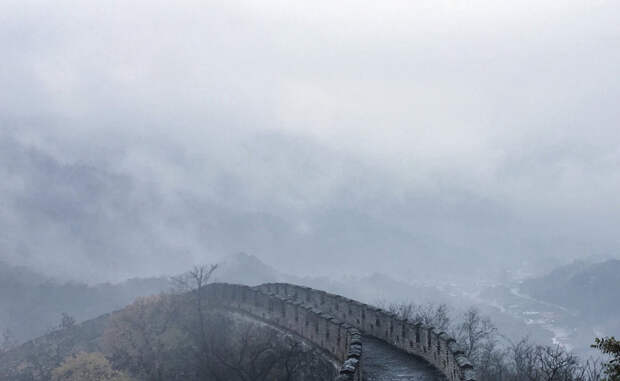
(324,137)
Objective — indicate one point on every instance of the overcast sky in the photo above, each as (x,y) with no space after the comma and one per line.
(325,137)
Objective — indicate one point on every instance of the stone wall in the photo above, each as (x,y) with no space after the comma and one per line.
(437,348)
(337,339)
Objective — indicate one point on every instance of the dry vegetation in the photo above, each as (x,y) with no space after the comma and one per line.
(497,358)
(174,336)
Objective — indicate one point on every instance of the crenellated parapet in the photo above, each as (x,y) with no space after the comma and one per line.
(438,348)
(337,339)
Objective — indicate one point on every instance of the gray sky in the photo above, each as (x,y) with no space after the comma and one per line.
(324,137)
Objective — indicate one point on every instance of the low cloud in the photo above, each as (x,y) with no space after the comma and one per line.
(141,138)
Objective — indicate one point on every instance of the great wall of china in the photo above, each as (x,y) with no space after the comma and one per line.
(338,326)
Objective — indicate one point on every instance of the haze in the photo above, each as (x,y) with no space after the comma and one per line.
(444,138)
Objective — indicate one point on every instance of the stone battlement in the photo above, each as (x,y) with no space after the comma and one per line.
(338,340)
(335,324)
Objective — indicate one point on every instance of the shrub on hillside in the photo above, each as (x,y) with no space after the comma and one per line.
(87,366)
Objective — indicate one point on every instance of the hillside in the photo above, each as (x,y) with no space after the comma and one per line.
(166,337)
(591,290)
(32,304)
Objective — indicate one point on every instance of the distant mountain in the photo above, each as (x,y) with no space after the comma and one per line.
(374,288)
(377,287)
(590,289)
(18,275)
(245,269)
(31,304)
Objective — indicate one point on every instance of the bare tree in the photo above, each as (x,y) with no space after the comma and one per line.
(473,331)
(555,363)
(498,361)
(524,366)
(253,358)
(435,315)
(299,361)
(491,362)
(251,352)
(591,370)
(292,359)
(195,281)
